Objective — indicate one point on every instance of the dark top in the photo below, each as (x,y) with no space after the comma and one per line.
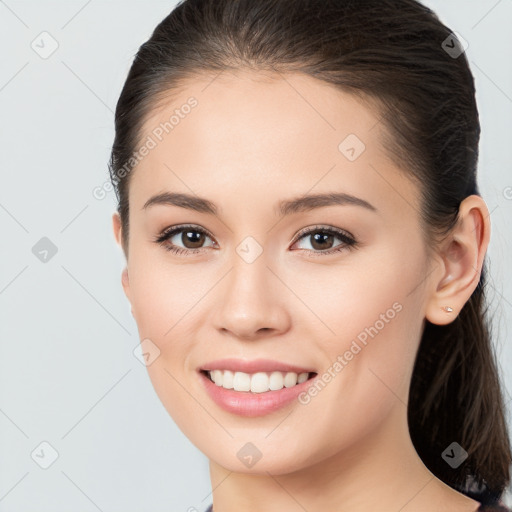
(483,508)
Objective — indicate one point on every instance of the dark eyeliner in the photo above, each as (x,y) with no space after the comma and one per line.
(169,232)
(348,242)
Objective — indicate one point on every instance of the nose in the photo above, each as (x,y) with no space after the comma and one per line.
(251,301)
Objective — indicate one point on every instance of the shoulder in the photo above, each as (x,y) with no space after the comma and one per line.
(498,507)
(483,508)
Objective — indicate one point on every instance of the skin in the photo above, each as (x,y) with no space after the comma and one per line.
(256,139)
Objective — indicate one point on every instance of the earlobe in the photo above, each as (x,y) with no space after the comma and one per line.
(461,258)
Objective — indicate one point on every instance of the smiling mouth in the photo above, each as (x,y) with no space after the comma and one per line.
(258,382)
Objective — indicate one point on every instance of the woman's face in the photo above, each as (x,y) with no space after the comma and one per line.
(253,287)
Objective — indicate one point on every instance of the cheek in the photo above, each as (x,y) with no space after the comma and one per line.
(163,303)
(164,294)
(164,310)
(374,322)
(369,359)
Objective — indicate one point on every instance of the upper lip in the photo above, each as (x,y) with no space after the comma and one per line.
(254,366)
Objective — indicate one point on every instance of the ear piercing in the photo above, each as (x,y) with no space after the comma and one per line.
(448,309)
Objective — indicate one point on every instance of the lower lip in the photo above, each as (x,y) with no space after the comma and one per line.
(248,404)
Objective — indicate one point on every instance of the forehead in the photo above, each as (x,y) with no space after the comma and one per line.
(252,133)
(253,108)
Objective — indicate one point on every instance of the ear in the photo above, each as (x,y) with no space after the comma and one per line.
(117,227)
(461,258)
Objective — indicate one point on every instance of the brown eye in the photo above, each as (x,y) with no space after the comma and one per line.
(322,240)
(192,238)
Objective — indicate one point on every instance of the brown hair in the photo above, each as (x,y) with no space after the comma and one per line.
(395,55)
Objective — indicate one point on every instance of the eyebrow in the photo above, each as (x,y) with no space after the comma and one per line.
(284,207)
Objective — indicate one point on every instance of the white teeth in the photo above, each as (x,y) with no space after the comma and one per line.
(241,382)
(225,380)
(257,382)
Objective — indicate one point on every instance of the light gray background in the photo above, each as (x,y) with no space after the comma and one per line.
(68,375)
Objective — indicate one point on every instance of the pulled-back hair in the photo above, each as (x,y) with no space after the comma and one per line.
(395,55)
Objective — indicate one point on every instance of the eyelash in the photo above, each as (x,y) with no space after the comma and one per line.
(349,243)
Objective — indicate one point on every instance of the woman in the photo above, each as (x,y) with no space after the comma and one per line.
(305,246)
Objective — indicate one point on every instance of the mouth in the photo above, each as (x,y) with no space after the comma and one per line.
(259,382)
(256,394)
